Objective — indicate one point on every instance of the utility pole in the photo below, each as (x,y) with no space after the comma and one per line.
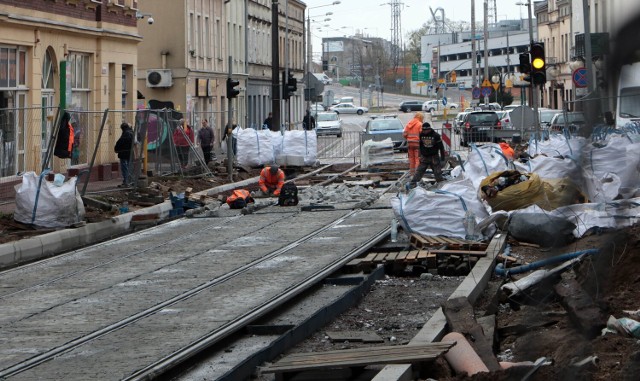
(230,152)
(473,44)
(275,66)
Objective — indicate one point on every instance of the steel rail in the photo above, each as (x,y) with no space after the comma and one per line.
(73,344)
(157,369)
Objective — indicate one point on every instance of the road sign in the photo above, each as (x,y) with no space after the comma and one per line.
(475,93)
(440,80)
(486,83)
(579,77)
(461,86)
(444,101)
(420,84)
(495,86)
(421,72)
(442,86)
(486,91)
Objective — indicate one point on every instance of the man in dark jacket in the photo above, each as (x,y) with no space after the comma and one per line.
(123,149)
(308,122)
(431,154)
(206,140)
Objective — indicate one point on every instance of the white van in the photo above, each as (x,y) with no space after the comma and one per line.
(322,77)
(628,104)
(346,100)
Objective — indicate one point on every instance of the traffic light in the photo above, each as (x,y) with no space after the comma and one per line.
(232,92)
(289,85)
(538,64)
(525,63)
(292,84)
(325,65)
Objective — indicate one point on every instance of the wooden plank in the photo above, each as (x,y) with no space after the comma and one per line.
(413,254)
(396,354)
(477,253)
(460,318)
(432,260)
(423,254)
(380,257)
(392,256)
(402,255)
(369,258)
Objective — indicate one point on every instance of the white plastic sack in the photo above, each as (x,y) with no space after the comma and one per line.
(276,141)
(550,167)
(376,152)
(557,145)
(481,162)
(55,206)
(431,213)
(254,147)
(301,143)
(618,156)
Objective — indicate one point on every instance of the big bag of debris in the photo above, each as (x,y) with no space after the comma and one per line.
(254,147)
(557,145)
(44,204)
(481,162)
(611,165)
(302,144)
(376,152)
(437,213)
(511,190)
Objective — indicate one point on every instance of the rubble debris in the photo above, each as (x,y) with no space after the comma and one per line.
(462,357)
(541,229)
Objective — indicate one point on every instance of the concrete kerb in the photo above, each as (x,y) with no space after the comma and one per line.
(49,244)
(436,327)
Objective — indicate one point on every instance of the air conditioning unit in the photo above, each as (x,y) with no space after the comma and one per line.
(159,78)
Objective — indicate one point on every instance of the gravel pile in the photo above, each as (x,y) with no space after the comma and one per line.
(337,193)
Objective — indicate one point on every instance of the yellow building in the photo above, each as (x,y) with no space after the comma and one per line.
(96,42)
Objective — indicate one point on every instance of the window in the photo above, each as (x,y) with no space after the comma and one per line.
(79,71)
(12,67)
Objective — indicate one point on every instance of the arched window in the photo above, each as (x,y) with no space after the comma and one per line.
(47,71)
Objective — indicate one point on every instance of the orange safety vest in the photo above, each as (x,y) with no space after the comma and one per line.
(268,181)
(71,137)
(507,150)
(412,132)
(242,194)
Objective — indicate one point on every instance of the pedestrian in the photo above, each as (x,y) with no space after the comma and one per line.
(206,139)
(268,123)
(308,122)
(431,154)
(182,139)
(271,180)
(412,135)
(233,132)
(123,149)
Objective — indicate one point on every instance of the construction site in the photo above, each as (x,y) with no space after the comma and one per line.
(362,279)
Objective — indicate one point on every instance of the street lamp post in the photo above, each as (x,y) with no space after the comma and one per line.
(310,50)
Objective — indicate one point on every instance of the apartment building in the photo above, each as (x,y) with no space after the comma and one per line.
(81,54)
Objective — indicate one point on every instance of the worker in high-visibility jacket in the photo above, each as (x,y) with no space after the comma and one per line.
(412,135)
(271,180)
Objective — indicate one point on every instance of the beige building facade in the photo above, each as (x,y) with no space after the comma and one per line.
(97,42)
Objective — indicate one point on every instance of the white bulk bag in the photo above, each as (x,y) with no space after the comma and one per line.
(55,206)
(254,147)
(303,144)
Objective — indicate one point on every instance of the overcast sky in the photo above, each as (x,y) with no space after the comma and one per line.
(352,15)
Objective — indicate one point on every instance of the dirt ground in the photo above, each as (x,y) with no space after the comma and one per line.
(397,307)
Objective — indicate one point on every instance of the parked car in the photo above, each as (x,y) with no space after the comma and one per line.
(328,123)
(407,106)
(545,116)
(505,119)
(490,106)
(434,105)
(509,107)
(575,120)
(348,108)
(386,126)
(458,122)
(478,126)
(316,108)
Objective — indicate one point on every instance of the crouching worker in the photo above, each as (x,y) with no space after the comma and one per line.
(431,154)
(271,180)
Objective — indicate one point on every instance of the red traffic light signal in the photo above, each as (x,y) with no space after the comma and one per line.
(538,63)
(232,92)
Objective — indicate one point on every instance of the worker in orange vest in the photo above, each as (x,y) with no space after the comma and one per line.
(507,151)
(412,134)
(271,180)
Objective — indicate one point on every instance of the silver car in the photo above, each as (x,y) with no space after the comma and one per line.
(348,108)
(328,123)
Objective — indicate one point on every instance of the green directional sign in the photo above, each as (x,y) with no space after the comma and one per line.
(421,72)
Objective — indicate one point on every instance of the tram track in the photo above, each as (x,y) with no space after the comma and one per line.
(214,336)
